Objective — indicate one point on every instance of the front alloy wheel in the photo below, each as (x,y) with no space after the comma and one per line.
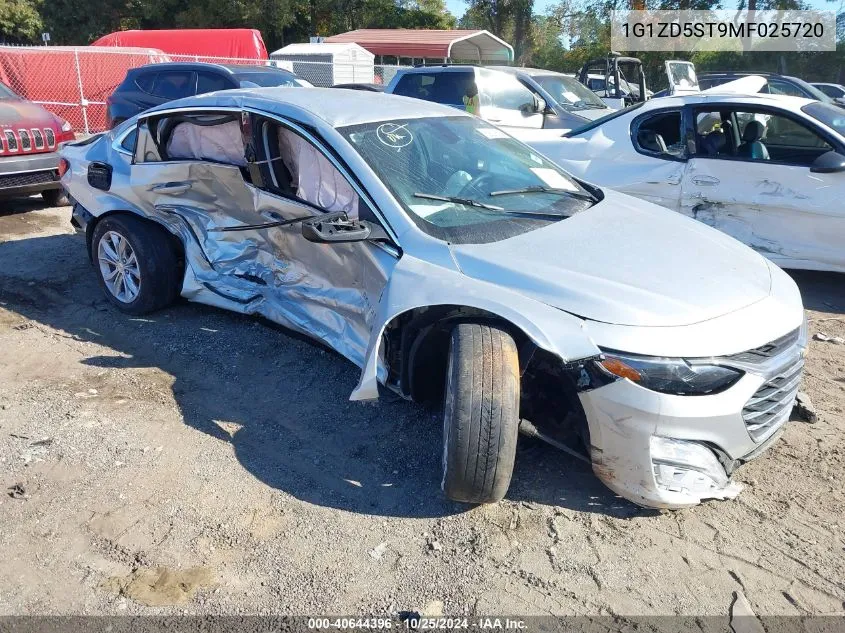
(119,267)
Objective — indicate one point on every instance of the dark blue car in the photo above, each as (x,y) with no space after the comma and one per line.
(154,84)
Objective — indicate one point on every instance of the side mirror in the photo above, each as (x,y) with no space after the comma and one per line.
(335,229)
(536,106)
(828,163)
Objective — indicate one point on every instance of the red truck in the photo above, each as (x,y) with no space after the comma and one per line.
(29,140)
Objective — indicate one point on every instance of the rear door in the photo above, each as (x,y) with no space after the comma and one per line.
(190,172)
(776,204)
(655,171)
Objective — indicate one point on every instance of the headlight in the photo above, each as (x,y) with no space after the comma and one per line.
(670,375)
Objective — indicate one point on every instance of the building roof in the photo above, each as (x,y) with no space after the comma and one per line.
(463,45)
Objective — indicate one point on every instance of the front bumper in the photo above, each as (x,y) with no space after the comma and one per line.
(631,428)
(29,173)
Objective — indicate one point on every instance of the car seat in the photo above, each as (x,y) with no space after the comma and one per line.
(752,146)
(713,143)
(652,141)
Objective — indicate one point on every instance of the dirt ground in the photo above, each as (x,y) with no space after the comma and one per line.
(198,461)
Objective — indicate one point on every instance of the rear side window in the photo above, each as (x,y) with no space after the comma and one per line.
(210,82)
(779,87)
(708,82)
(174,84)
(128,142)
(265,80)
(145,82)
(444,87)
(659,135)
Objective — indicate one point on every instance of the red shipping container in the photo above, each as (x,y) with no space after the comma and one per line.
(220,44)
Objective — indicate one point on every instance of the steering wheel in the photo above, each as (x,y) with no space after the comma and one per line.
(476,185)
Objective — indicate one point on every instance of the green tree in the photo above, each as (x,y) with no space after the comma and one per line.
(20,22)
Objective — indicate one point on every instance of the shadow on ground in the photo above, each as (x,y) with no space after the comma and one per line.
(824,292)
(281,401)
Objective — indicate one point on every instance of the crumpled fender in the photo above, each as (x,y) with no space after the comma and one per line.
(415,283)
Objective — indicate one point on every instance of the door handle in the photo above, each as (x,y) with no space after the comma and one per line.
(174,188)
(705,181)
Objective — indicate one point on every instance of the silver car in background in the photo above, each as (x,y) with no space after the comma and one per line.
(452,263)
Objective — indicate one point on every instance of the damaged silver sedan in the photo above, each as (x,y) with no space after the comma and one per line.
(452,263)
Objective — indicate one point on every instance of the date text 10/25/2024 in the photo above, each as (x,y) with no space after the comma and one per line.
(419,623)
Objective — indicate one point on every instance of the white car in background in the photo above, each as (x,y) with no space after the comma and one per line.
(767,169)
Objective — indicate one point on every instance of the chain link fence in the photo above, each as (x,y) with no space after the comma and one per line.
(75,82)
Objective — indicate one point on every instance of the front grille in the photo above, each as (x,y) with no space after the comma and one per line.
(51,137)
(12,140)
(30,178)
(769,350)
(26,143)
(771,404)
(38,138)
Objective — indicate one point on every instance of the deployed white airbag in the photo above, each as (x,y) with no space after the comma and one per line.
(222,143)
(315,178)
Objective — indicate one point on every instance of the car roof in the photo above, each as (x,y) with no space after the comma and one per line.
(228,68)
(337,108)
(443,68)
(789,103)
(531,72)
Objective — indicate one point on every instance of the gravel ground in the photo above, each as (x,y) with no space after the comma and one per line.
(197,461)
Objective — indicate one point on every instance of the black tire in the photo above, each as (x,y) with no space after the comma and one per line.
(480,414)
(55,197)
(158,261)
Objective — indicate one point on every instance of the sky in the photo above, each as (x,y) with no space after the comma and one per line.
(458,7)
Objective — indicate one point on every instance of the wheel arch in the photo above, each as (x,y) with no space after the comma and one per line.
(175,240)
(418,343)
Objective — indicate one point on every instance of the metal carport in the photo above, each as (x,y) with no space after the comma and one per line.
(442,45)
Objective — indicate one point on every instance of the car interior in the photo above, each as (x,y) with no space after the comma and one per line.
(283,163)
(757,136)
(661,134)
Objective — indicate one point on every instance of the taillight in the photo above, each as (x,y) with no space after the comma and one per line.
(65,130)
(63,167)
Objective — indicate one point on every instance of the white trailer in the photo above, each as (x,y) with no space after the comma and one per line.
(326,64)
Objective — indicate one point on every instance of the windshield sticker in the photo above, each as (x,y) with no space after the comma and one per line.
(553,179)
(492,132)
(394,135)
(571,96)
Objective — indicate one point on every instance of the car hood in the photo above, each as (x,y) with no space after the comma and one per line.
(25,114)
(592,114)
(626,262)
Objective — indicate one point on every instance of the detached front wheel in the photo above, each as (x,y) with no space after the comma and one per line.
(480,414)
(136,264)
